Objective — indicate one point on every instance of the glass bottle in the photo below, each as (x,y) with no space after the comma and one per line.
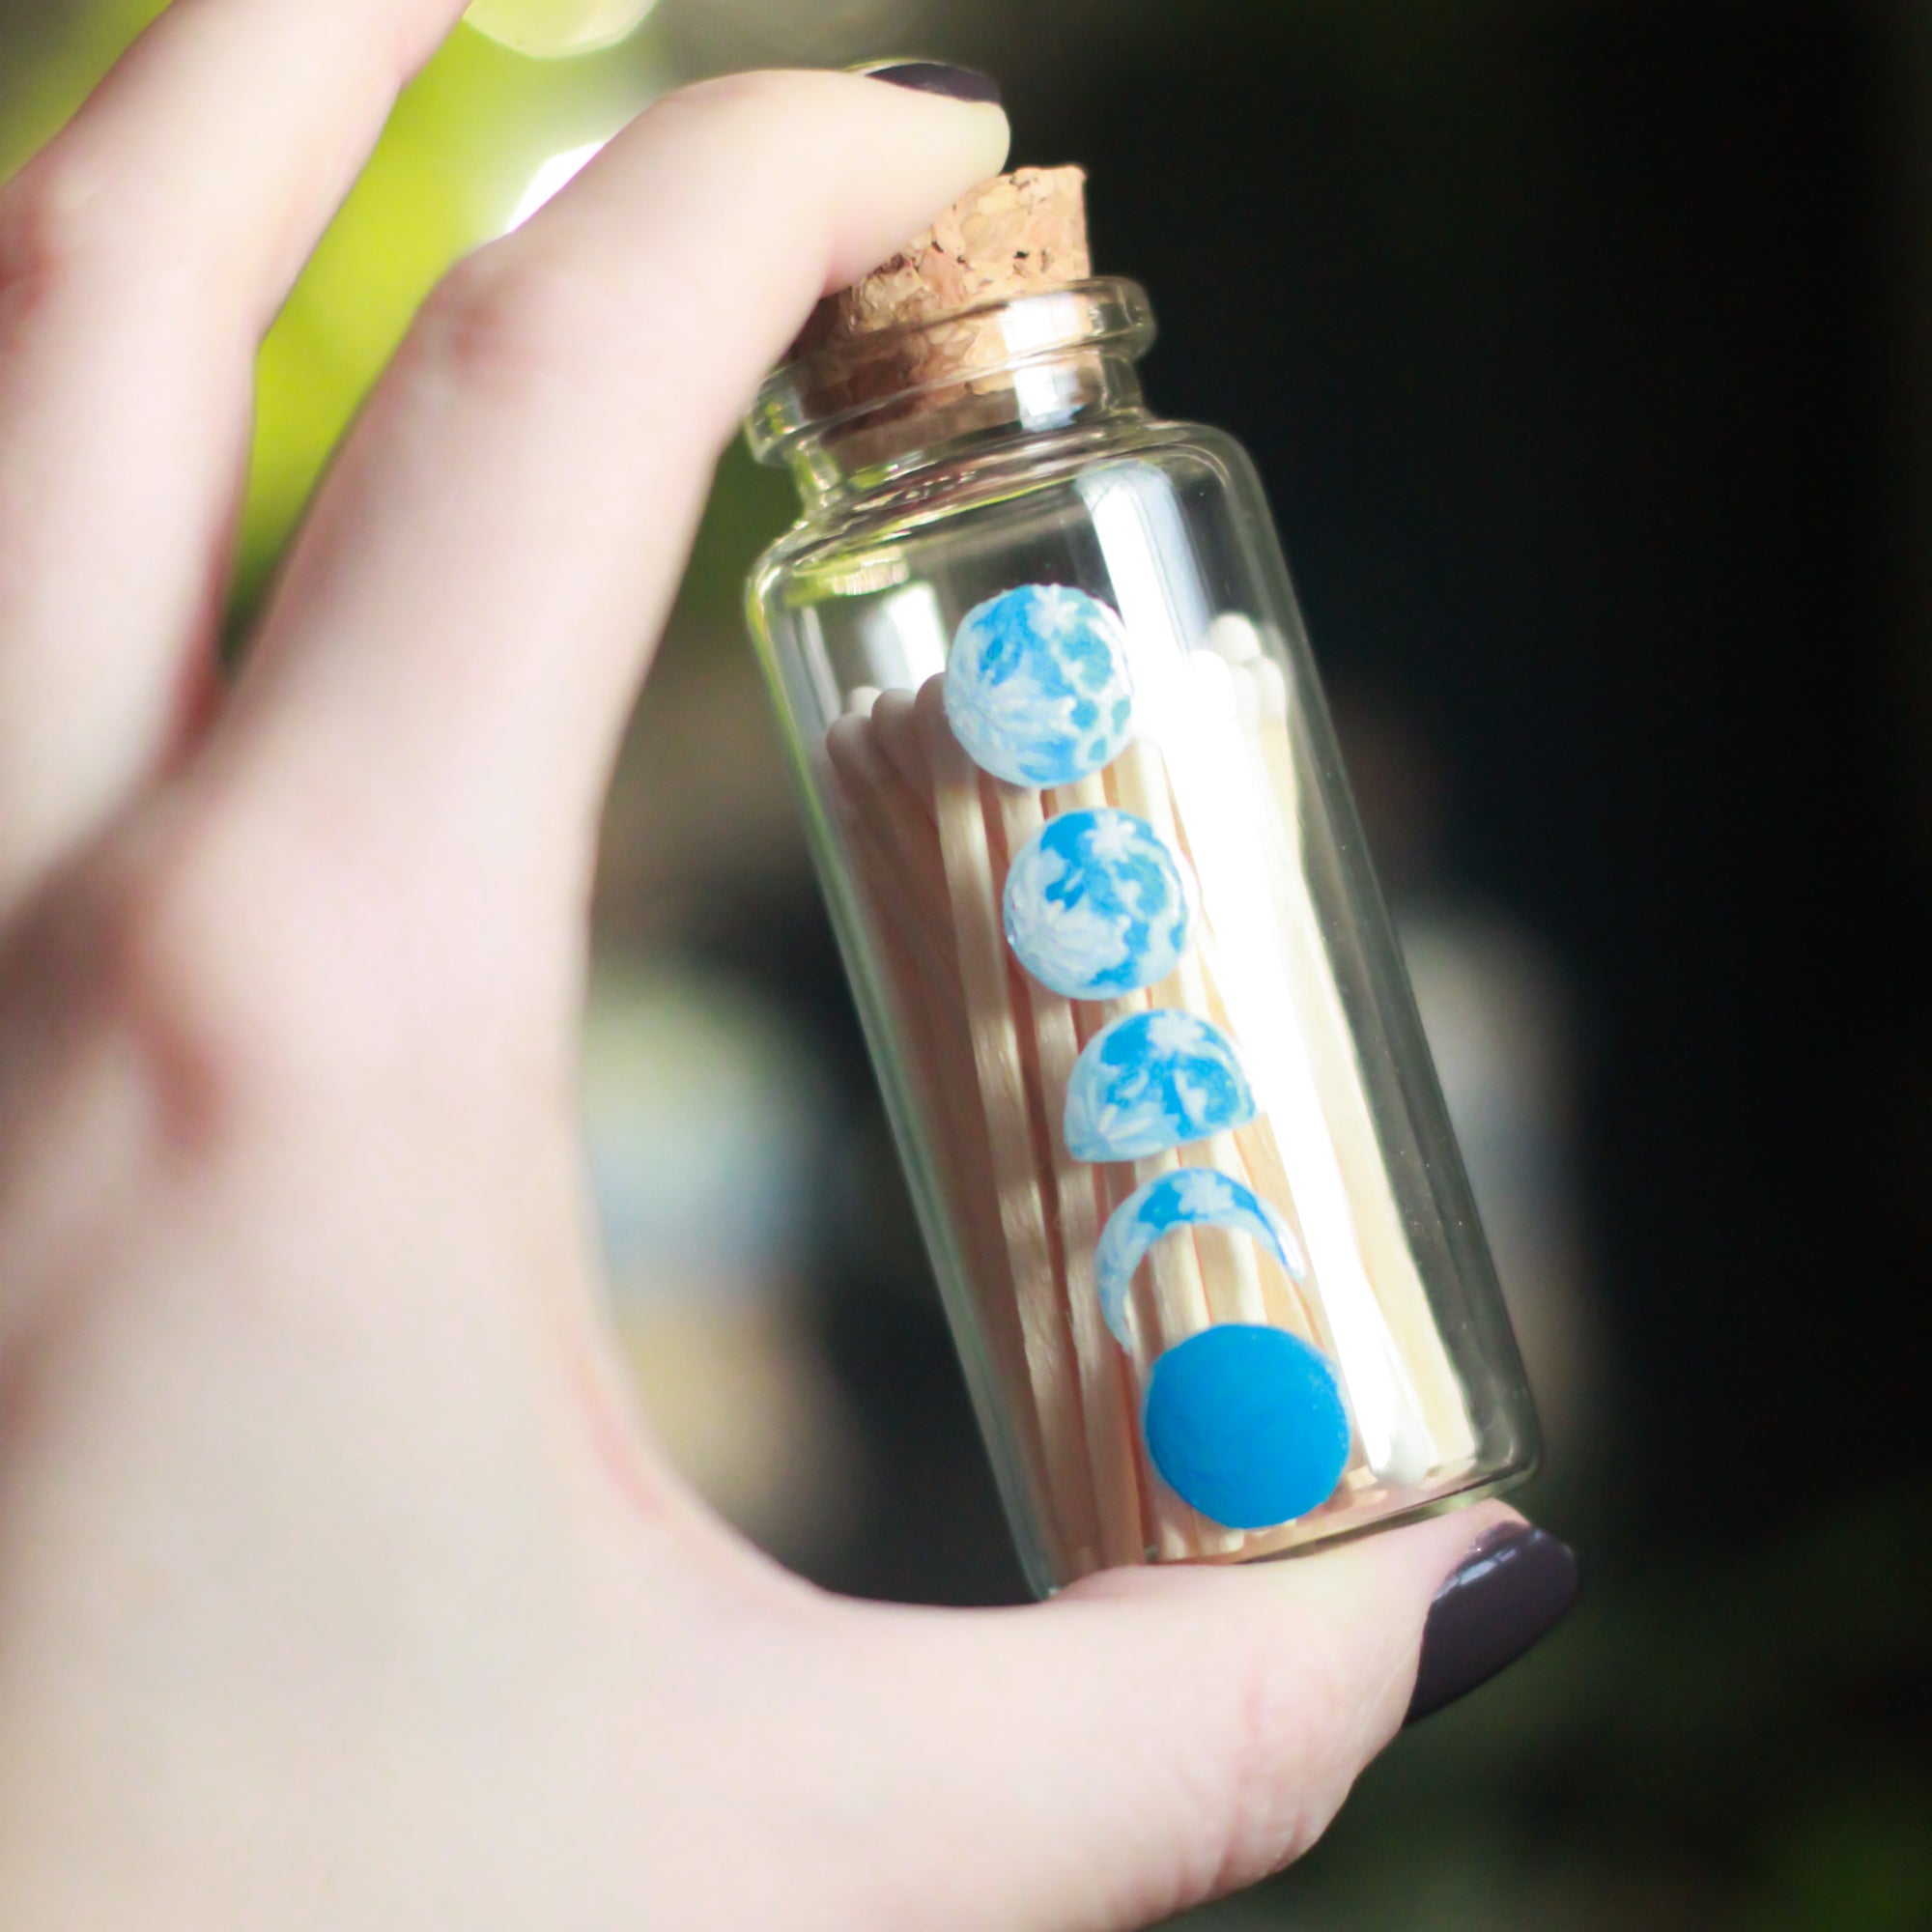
(1147,1045)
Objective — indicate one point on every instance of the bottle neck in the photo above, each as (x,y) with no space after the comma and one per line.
(882,458)
(885,414)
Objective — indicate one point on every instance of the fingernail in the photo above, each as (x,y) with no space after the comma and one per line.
(956,83)
(1503,1599)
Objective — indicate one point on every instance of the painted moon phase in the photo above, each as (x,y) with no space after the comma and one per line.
(1248,1425)
(1154,1081)
(1097,905)
(1037,687)
(1190,1197)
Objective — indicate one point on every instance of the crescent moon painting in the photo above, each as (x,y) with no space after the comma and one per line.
(1190,1197)
(1151,1082)
(1037,687)
(1097,905)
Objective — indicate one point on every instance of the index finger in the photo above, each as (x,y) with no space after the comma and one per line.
(142,254)
(454,646)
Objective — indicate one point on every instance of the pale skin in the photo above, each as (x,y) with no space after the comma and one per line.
(339,1583)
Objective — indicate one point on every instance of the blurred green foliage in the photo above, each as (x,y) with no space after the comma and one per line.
(464,141)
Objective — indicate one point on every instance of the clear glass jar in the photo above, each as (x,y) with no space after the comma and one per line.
(1146,1042)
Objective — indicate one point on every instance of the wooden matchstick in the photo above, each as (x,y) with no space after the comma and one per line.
(1218,809)
(1230,1279)
(1103,1399)
(1433,1430)
(896,731)
(1250,1152)
(1051,1046)
(927,1003)
(1191,1279)
(1044,1316)
(888,813)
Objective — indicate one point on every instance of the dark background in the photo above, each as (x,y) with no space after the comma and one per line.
(1561,337)
(1582,350)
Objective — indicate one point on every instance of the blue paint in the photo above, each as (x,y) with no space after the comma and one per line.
(1096,905)
(1154,1081)
(1190,1197)
(1038,686)
(1248,1425)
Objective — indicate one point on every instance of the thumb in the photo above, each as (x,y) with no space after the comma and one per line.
(1154,1738)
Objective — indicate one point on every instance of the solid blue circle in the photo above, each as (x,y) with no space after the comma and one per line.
(1248,1425)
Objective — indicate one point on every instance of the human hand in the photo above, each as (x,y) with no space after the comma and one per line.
(339,1585)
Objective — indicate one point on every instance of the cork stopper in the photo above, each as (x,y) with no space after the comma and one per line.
(1019,233)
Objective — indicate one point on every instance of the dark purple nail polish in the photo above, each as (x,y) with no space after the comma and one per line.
(956,83)
(1505,1596)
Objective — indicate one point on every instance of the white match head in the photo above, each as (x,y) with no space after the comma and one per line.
(1234,637)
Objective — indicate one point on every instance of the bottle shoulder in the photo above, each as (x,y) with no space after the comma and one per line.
(1192,455)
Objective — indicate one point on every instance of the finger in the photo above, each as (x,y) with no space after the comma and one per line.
(141,257)
(458,634)
(1150,1740)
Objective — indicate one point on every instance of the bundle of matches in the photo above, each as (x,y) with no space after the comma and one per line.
(930,839)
